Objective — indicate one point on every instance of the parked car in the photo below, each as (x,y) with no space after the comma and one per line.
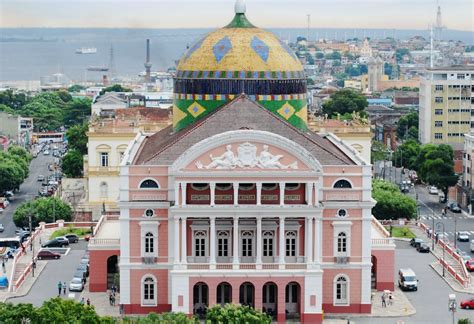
(76,284)
(407,279)
(467,304)
(47,254)
(72,238)
(433,190)
(62,239)
(423,248)
(462,236)
(81,274)
(470,265)
(54,243)
(83,267)
(46,152)
(454,207)
(416,241)
(40,177)
(1,228)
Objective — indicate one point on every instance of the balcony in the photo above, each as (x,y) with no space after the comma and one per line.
(99,170)
(106,234)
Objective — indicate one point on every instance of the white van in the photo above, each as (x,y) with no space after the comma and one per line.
(472,246)
(407,279)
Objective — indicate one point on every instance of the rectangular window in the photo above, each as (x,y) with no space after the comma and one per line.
(149,248)
(200,247)
(267,247)
(438,99)
(461,76)
(438,135)
(291,246)
(223,247)
(438,123)
(247,247)
(104,159)
(438,111)
(438,87)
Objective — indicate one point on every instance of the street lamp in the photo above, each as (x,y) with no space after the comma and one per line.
(452,305)
(441,224)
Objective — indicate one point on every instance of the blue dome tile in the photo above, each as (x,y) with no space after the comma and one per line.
(221,48)
(260,48)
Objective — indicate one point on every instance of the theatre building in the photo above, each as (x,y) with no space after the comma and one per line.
(238,201)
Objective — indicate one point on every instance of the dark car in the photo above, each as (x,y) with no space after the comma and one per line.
(54,243)
(454,207)
(81,274)
(63,240)
(467,304)
(72,238)
(423,248)
(470,265)
(83,267)
(47,254)
(415,242)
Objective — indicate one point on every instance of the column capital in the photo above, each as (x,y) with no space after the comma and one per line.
(212,184)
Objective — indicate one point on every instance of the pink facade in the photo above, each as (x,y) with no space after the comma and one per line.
(249,216)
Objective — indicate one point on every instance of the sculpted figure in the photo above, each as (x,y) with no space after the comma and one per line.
(225,161)
(266,160)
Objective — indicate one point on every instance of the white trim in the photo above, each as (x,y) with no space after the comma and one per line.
(348,290)
(343,178)
(341,227)
(154,301)
(253,136)
(124,234)
(365,288)
(149,227)
(124,285)
(149,178)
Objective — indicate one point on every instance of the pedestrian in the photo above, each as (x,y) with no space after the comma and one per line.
(443,212)
(88,302)
(110,298)
(60,286)
(113,300)
(64,288)
(82,301)
(3,266)
(384,304)
(390,299)
(114,289)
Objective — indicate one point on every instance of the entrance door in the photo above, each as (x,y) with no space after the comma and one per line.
(269,296)
(291,298)
(246,294)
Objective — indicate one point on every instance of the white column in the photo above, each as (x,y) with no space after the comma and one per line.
(184,186)
(281,257)
(309,240)
(235,244)
(258,239)
(317,240)
(212,242)
(184,238)
(259,193)
(309,188)
(236,193)
(212,185)
(282,193)
(176,193)
(176,242)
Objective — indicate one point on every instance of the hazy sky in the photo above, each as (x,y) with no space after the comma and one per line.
(400,14)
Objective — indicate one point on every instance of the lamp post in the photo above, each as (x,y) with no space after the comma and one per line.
(441,224)
(452,304)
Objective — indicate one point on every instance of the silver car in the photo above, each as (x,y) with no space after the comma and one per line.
(1,228)
(76,284)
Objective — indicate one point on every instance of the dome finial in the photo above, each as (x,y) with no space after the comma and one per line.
(239,6)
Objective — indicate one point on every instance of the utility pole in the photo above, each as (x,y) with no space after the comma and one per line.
(432,231)
(455,232)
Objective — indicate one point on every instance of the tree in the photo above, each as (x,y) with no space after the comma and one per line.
(391,203)
(42,210)
(77,111)
(13,100)
(319,55)
(345,101)
(407,154)
(76,88)
(77,138)
(400,53)
(387,69)
(405,123)
(72,164)
(232,313)
(333,56)
(163,318)
(14,168)
(378,151)
(115,88)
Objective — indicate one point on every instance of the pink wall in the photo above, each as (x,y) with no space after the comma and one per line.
(98,269)
(385,269)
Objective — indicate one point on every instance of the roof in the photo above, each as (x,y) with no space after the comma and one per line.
(164,147)
(452,68)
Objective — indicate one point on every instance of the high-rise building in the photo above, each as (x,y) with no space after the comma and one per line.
(446,105)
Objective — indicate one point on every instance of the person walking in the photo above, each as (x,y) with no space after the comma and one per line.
(82,301)
(110,298)
(390,299)
(64,288)
(384,304)
(3,266)
(88,302)
(60,286)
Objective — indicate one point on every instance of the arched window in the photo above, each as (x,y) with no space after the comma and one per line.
(341,291)
(149,243)
(342,242)
(223,243)
(149,184)
(342,184)
(149,291)
(268,243)
(104,189)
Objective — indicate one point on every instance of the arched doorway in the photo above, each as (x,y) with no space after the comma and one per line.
(112,272)
(292,300)
(224,293)
(200,299)
(247,294)
(373,272)
(269,298)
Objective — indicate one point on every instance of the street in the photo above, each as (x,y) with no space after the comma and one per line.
(28,190)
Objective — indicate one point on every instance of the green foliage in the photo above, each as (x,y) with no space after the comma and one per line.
(403,232)
(13,100)
(405,123)
(72,164)
(42,210)
(407,154)
(333,56)
(345,101)
(115,88)
(77,111)
(76,88)
(387,68)
(309,81)
(14,168)
(379,151)
(400,53)
(356,69)
(7,109)
(465,321)
(74,230)
(319,55)
(232,313)
(77,138)
(391,203)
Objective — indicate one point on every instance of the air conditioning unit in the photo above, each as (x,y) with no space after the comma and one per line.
(148,260)
(341,260)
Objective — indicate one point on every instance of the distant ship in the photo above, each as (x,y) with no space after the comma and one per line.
(86,50)
(98,68)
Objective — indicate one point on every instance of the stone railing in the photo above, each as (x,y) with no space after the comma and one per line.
(377,242)
(379,227)
(104,241)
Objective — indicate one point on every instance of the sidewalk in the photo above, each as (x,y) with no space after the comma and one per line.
(100,301)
